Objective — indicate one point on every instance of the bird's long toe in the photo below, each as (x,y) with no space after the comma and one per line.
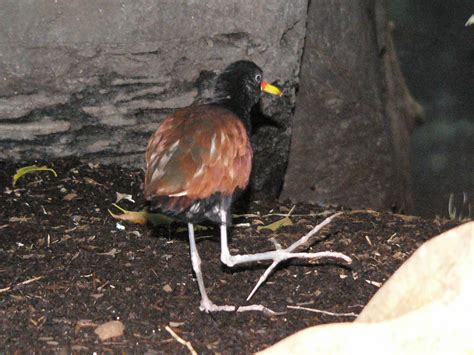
(208,307)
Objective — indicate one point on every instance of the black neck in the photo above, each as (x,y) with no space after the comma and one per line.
(237,105)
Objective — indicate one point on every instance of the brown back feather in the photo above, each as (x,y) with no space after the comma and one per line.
(196,152)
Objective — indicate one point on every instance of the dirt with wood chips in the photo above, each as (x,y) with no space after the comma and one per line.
(67,267)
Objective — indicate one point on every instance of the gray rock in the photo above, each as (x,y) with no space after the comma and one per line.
(95,78)
(31,130)
(22,105)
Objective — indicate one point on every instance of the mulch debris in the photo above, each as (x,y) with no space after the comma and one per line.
(67,267)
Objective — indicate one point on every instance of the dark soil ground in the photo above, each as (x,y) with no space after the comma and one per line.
(66,267)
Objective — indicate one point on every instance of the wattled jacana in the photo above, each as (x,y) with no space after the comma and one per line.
(200,158)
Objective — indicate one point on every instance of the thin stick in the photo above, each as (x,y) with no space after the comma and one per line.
(350,314)
(181,340)
(26,282)
(259,308)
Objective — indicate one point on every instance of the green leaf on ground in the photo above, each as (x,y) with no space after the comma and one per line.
(285,221)
(31,169)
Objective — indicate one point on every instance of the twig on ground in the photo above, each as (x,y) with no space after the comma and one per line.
(350,314)
(259,308)
(181,340)
(26,282)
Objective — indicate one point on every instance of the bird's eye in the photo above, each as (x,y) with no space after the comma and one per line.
(258,78)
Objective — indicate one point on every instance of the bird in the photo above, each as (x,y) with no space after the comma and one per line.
(200,159)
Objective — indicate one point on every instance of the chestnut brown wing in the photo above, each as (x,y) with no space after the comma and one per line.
(196,152)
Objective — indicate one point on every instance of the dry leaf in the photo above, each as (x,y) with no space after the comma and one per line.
(285,221)
(374,283)
(121,196)
(140,217)
(131,216)
(109,330)
(69,197)
(176,324)
(112,252)
(19,219)
(90,181)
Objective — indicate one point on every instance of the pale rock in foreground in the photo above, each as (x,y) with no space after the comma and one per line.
(110,329)
(425,307)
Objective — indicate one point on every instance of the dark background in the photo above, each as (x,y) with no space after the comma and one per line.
(436,51)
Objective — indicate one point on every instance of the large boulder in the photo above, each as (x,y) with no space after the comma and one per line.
(94,78)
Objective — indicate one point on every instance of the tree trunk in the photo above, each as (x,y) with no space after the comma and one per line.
(354,115)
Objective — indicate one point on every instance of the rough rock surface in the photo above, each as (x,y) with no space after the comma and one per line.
(95,78)
(345,149)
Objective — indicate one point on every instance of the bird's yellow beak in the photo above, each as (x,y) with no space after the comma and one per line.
(271,89)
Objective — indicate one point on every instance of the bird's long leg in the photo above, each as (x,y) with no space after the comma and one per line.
(206,303)
(277,255)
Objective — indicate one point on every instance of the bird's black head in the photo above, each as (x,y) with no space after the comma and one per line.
(238,87)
